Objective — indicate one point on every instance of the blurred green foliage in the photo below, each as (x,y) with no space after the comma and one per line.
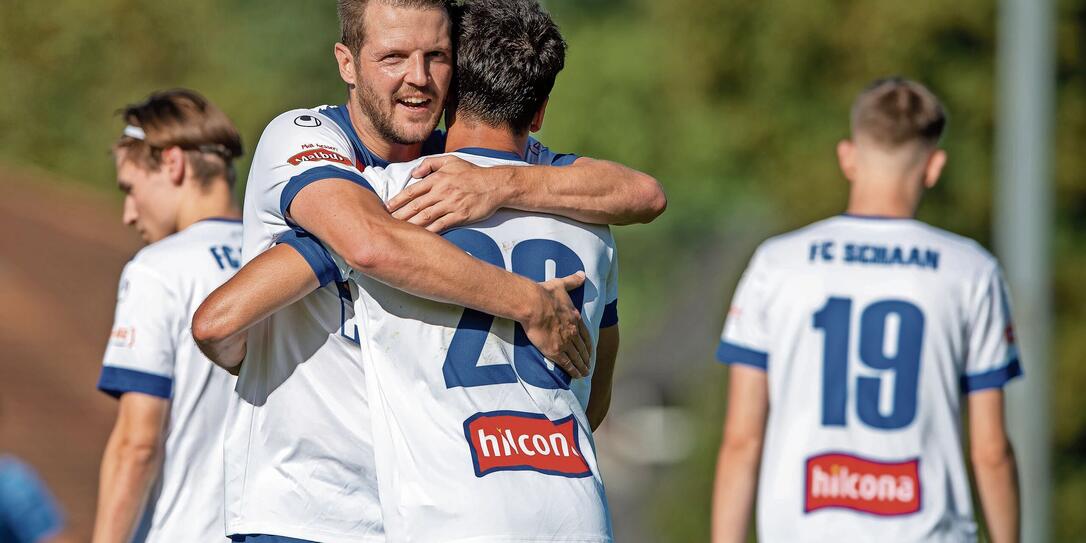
(734,105)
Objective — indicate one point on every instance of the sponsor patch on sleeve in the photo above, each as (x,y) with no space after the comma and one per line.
(844,481)
(123,336)
(517,441)
(315,153)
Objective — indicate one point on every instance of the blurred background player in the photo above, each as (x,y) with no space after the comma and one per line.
(540,494)
(28,511)
(852,344)
(161,474)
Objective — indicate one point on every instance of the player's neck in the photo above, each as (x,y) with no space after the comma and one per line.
(891,200)
(213,202)
(378,145)
(466,133)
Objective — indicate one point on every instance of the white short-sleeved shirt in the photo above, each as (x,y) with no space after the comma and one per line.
(299,451)
(478,438)
(871,330)
(151,351)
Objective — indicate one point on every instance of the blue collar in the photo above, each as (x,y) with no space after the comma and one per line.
(342,117)
(220,219)
(875,217)
(491,153)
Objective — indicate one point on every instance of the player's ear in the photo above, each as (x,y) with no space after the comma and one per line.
(846,158)
(934,168)
(537,119)
(173,162)
(345,61)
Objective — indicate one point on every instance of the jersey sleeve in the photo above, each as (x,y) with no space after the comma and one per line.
(325,267)
(538,154)
(992,356)
(27,509)
(745,336)
(297,149)
(610,311)
(140,354)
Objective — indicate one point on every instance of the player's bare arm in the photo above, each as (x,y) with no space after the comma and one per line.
(740,453)
(994,465)
(354,222)
(275,279)
(454,192)
(599,401)
(130,465)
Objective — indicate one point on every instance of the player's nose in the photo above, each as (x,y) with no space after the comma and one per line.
(129,215)
(418,74)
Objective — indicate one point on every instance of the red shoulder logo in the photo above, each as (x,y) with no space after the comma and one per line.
(317,155)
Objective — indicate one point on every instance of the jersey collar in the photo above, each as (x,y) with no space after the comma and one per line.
(491,153)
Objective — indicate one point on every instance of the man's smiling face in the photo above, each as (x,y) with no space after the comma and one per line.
(403,70)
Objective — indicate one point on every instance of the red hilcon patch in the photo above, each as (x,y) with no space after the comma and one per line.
(123,336)
(516,441)
(317,155)
(837,480)
(1008,334)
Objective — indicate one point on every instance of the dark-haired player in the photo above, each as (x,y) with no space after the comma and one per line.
(853,344)
(477,437)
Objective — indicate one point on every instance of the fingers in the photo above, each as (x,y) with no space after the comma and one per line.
(583,342)
(450,220)
(418,206)
(406,196)
(578,360)
(571,282)
(430,165)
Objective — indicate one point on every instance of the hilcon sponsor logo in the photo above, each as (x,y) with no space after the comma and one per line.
(123,336)
(316,155)
(837,480)
(516,441)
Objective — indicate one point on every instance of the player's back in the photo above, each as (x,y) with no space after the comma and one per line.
(477,436)
(151,351)
(871,330)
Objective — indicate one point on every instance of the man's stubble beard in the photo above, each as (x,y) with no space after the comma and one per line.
(382,120)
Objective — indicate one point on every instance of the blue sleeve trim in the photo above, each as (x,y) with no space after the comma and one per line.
(304,179)
(610,315)
(314,254)
(991,379)
(116,381)
(730,353)
(564,159)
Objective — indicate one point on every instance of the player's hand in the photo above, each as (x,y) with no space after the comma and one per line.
(452,192)
(557,329)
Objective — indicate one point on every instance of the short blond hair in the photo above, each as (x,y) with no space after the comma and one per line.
(185,119)
(352,15)
(895,111)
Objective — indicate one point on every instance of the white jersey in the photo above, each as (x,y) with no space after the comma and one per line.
(151,351)
(299,452)
(871,330)
(478,438)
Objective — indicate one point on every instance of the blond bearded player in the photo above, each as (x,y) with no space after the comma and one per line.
(853,344)
(299,450)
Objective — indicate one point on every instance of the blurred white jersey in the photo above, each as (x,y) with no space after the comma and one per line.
(151,351)
(299,451)
(871,330)
(478,437)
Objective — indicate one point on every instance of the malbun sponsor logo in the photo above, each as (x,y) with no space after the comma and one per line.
(318,154)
